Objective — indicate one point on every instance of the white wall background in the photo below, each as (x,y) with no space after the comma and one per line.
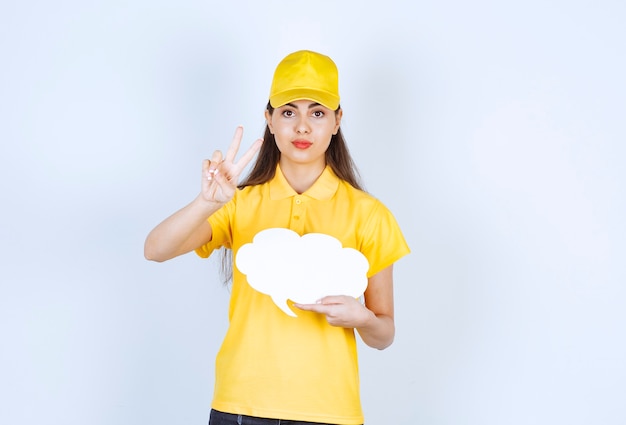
(494,131)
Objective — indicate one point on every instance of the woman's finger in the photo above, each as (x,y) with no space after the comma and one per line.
(234,145)
(206,164)
(247,157)
(213,164)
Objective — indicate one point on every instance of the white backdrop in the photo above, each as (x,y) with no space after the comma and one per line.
(493,130)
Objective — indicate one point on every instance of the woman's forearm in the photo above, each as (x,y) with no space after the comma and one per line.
(378,332)
(181,232)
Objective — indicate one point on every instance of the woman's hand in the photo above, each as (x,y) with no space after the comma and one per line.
(341,310)
(374,320)
(220,176)
(188,228)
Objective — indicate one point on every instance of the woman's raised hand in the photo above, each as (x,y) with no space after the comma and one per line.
(188,227)
(220,176)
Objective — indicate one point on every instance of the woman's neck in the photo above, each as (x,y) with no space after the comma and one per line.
(301,177)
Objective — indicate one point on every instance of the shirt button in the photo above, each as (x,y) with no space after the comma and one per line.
(298,201)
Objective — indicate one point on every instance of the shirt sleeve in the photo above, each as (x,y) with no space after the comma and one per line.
(221,230)
(382,241)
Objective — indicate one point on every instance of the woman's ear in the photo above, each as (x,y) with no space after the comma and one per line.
(268,120)
(338,116)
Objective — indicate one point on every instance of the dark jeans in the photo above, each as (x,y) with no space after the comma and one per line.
(221,418)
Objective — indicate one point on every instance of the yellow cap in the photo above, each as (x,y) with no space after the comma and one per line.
(306,75)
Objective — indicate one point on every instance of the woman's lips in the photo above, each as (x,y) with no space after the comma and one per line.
(301,144)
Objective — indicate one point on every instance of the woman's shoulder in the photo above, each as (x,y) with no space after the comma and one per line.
(252,189)
(246,195)
(359,196)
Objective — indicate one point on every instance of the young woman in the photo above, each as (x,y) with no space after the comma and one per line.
(273,368)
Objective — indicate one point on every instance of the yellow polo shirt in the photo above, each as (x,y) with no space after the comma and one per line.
(270,364)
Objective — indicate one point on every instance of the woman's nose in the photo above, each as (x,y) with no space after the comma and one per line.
(303,126)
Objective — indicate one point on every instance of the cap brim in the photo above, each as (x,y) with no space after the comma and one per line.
(326,99)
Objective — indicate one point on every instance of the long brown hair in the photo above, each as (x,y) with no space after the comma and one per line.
(338,158)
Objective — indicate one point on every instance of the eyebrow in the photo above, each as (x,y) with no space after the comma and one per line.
(312,105)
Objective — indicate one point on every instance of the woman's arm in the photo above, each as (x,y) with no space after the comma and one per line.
(183,231)
(374,320)
(188,228)
(380,331)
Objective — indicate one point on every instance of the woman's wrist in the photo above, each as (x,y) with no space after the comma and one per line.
(207,206)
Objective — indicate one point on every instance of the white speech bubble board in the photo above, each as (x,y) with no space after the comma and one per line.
(285,265)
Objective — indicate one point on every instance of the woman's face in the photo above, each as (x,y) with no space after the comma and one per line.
(303,130)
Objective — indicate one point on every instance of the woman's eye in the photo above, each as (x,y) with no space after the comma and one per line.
(318,114)
(288,114)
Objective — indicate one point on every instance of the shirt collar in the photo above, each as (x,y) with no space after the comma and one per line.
(323,189)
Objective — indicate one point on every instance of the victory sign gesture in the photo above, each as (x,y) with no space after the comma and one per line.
(188,228)
(220,176)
